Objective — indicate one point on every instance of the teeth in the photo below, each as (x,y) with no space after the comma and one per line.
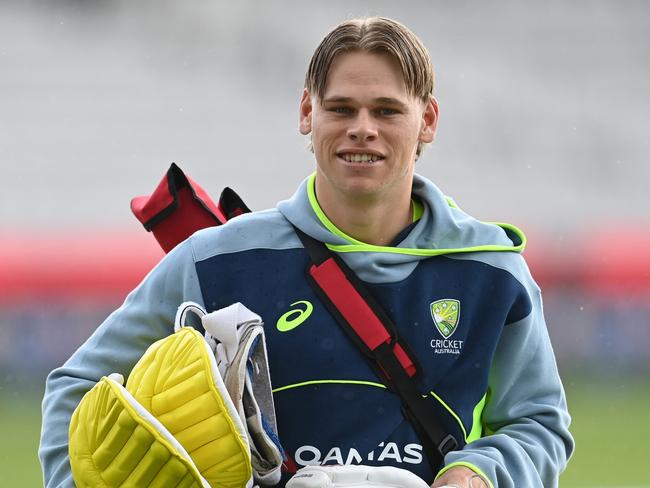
(360,158)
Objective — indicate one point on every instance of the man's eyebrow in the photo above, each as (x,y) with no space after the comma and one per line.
(379,100)
(389,101)
(336,99)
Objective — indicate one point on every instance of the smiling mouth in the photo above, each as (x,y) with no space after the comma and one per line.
(359,158)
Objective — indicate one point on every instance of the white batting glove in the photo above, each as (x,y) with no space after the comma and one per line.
(355,476)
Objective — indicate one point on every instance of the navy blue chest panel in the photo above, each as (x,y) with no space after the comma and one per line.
(331,406)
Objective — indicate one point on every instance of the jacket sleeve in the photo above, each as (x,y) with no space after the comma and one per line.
(146,316)
(525,420)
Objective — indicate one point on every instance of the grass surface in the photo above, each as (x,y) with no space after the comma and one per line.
(611,421)
(20,424)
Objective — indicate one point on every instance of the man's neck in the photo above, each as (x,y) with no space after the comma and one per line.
(370,221)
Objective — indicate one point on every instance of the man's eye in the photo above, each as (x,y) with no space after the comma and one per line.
(341,110)
(387,111)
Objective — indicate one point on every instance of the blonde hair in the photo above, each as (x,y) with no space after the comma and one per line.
(374,35)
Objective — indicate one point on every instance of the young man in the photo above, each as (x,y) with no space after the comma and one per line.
(457,289)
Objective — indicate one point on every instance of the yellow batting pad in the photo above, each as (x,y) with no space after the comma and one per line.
(177,380)
(114,442)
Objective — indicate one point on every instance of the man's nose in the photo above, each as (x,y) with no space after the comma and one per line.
(362,127)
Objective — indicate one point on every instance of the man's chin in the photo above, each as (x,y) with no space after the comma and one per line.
(362,190)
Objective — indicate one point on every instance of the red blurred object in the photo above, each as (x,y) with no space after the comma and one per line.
(110,264)
(79,266)
(107,265)
(99,265)
(616,261)
(596,260)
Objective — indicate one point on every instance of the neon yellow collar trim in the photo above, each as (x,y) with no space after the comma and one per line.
(417,209)
(359,246)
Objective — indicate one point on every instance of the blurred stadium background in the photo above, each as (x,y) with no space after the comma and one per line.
(544,124)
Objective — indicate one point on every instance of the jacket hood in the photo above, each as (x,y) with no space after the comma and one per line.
(442,229)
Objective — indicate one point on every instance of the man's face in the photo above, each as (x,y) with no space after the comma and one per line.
(365,130)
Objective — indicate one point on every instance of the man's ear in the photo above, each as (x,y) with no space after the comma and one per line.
(305,113)
(429,121)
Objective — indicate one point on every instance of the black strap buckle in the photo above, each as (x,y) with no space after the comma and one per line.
(448,444)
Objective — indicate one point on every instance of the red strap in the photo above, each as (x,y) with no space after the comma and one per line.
(348,301)
(355,310)
(404,360)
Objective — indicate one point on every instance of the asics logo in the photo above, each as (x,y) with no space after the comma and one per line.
(293,318)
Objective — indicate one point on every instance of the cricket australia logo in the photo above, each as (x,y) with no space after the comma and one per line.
(446,314)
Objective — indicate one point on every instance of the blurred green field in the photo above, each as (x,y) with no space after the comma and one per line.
(20,424)
(611,420)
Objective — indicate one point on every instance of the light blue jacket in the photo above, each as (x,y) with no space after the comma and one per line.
(488,365)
